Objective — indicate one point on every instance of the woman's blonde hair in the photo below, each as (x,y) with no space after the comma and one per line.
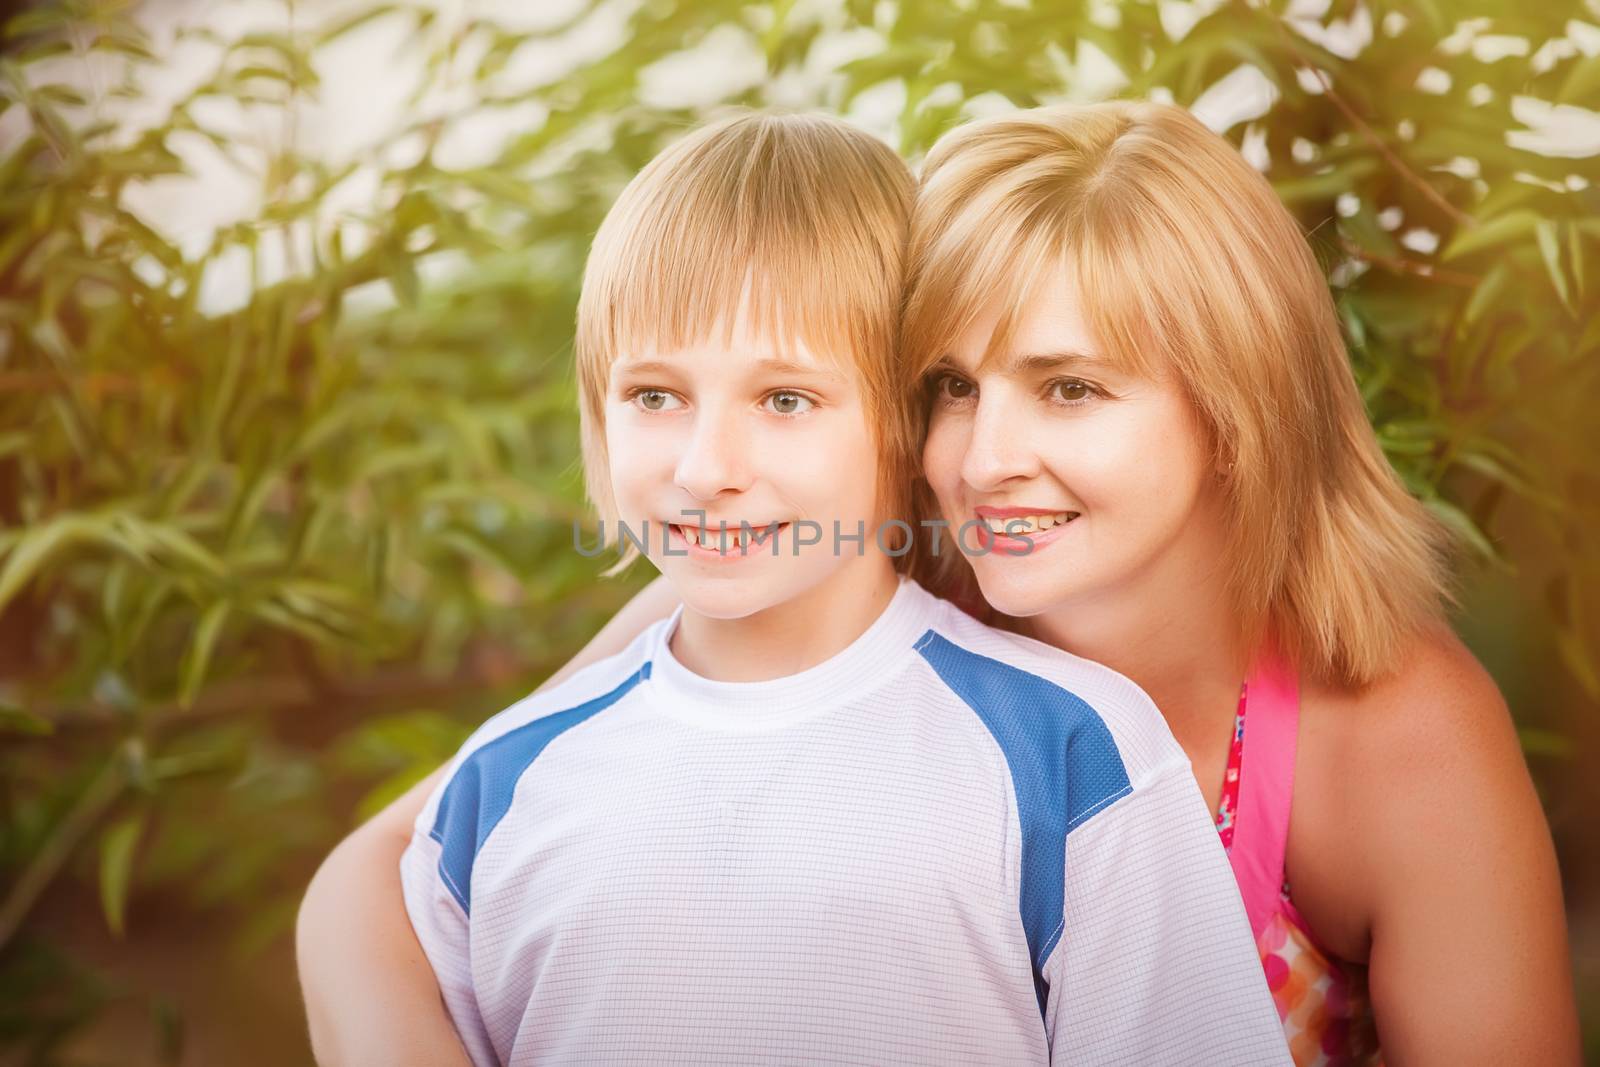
(795,224)
(1188,265)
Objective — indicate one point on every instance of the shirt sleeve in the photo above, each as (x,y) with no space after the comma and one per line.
(444,933)
(1156,963)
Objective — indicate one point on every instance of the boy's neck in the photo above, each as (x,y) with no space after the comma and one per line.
(793,636)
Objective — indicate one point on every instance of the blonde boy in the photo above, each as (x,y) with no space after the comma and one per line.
(817,815)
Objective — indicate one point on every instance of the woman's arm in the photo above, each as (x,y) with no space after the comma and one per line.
(1469,961)
(370,993)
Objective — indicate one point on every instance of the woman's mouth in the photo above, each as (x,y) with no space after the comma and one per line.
(1018,533)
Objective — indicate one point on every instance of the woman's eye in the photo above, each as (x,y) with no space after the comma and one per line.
(949,387)
(788,403)
(1072,391)
(656,400)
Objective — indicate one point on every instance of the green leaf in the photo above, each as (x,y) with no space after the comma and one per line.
(256,70)
(1487,292)
(1575,255)
(402,271)
(192,764)
(354,22)
(62,94)
(1550,251)
(168,1023)
(176,543)
(40,19)
(116,868)
(1503,471)
(1580,660)
(1513,225)
(19,720)
(198,657)
(1461,524)
(1583,82)
(1536,742)
(38,545)
(124,41)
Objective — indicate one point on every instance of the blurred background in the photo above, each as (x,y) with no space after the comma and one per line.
(288,442)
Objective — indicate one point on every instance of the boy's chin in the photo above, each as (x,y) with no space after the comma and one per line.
(729,602)
(730,596)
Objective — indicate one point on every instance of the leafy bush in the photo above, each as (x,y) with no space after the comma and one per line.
(263,564)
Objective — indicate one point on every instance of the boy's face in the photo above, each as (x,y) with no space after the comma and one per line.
(749,431)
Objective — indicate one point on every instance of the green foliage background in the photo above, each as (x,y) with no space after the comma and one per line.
(261,568)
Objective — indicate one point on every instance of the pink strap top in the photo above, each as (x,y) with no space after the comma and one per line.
(1261,822)
(1322,1001)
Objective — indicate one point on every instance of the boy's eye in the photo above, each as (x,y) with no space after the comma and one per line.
(788,403)
(656,400)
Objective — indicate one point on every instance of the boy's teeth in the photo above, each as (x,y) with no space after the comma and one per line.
(690,534)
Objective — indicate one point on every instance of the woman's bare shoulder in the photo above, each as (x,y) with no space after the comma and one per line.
(1438,706)
(1428,752)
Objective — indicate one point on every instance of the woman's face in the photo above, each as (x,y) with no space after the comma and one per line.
(1105,476)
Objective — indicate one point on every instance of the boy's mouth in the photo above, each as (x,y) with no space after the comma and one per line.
(736,542)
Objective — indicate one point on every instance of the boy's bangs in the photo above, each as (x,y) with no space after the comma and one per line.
(773,241)
(786,303)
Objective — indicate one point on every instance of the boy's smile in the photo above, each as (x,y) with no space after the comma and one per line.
(722,539)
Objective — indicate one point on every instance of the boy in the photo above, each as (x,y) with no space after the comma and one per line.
(817,815)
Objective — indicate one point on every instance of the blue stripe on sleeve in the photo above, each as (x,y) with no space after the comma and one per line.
(1064,767)
(479,794)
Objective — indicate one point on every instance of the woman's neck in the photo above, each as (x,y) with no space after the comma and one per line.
(1175,634)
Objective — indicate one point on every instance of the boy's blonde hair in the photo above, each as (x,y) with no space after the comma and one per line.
(1188,265)
(797,224)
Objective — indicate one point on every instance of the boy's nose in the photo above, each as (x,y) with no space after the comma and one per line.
(715,461)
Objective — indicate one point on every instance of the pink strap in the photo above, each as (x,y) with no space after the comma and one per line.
(1266,786)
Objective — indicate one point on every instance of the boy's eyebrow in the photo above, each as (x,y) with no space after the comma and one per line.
(642,366)
(774,366)
(789,366)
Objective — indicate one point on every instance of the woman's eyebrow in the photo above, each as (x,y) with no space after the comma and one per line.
(1042,362)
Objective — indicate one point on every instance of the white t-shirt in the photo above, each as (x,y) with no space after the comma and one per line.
(946,844)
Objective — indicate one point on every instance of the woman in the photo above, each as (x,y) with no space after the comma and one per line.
(1119,325)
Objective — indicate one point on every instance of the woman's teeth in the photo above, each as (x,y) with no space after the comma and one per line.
(1021,525)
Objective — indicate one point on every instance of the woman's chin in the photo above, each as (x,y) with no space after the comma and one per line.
(1018,599)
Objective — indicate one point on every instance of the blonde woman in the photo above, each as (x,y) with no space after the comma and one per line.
(1138,395)
(1120,326)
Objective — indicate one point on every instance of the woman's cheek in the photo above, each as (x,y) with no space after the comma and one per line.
(941,457)
(1141,461)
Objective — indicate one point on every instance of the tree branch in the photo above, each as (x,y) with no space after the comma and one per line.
(1461,218)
